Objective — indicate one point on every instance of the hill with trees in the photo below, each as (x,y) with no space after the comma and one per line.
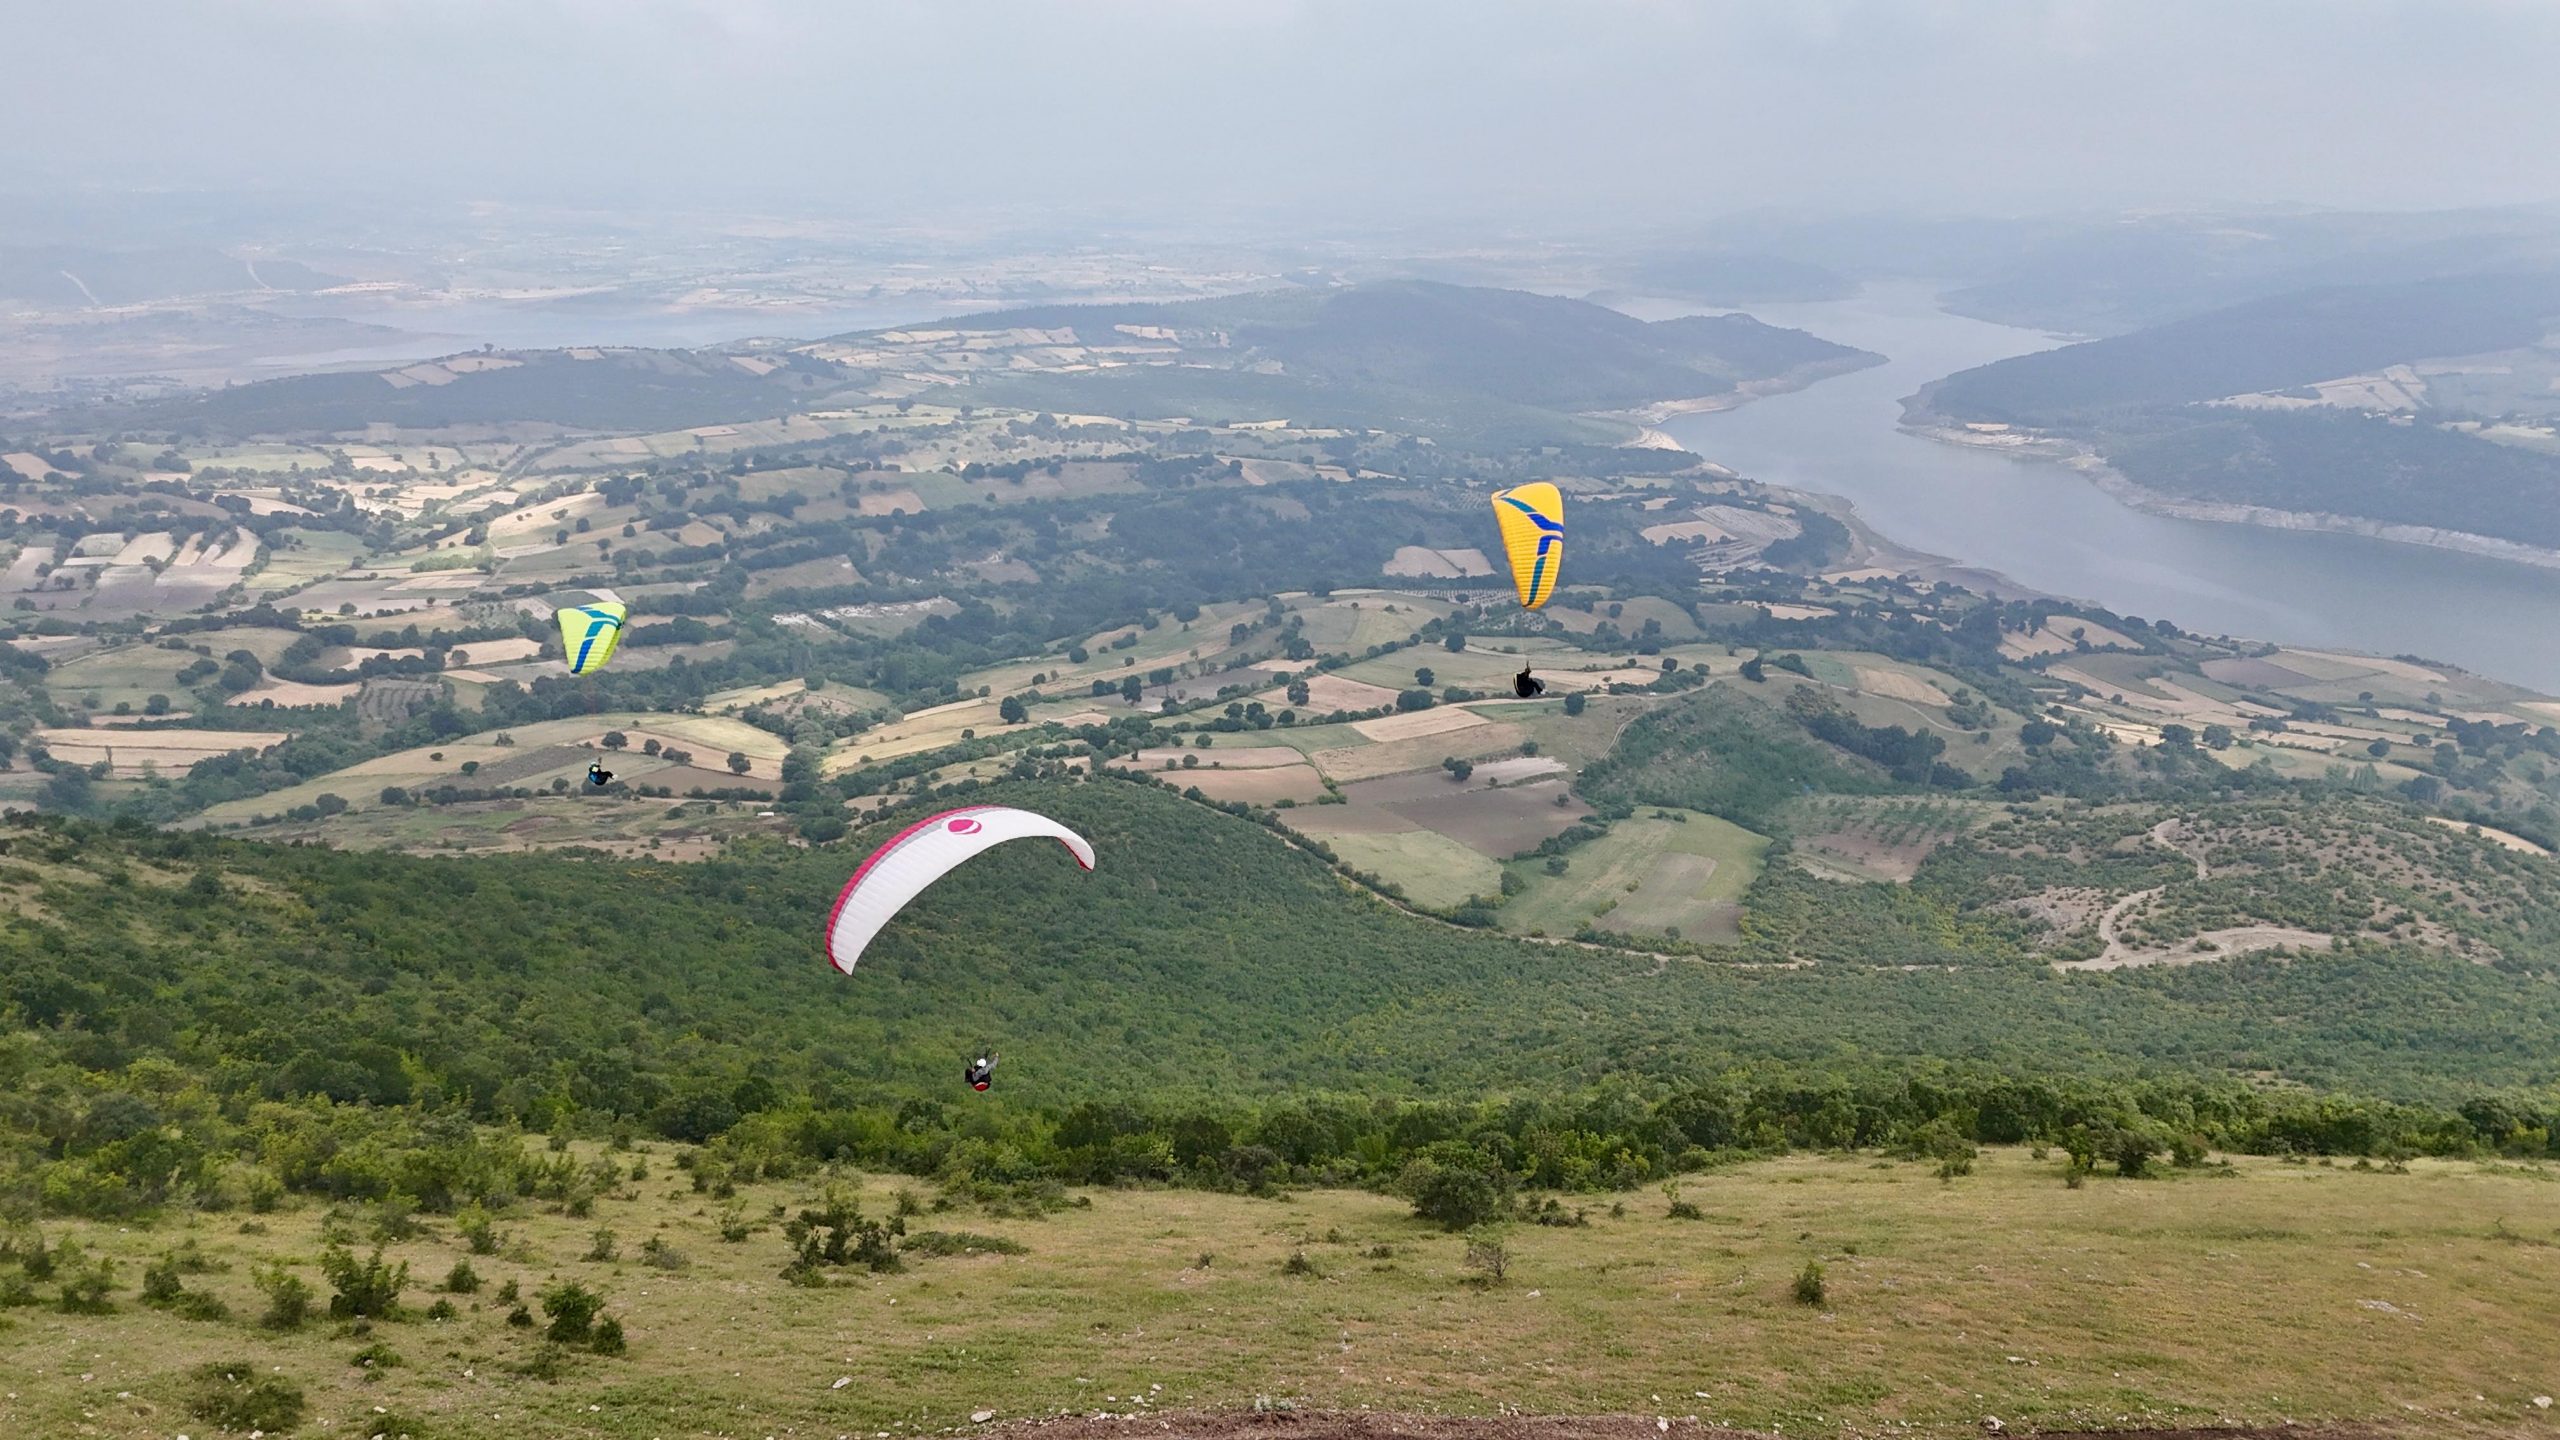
(2271,344)
(2236,407)
(1414,342)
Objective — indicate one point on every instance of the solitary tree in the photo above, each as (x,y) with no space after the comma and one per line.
(738,763)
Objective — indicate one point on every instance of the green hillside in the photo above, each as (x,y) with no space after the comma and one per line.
(2270,344)
(1422,337)
(2138,400)
(609,390)
(1203,958)
(2342,462)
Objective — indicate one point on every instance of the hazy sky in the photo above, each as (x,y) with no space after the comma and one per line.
(1561,115)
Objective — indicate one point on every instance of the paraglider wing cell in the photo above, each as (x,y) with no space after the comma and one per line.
(1532,518)
(921,854)
(588,634)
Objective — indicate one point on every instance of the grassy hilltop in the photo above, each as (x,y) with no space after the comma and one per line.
(2259,1294)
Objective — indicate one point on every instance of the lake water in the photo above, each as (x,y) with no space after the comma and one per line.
(2041,524)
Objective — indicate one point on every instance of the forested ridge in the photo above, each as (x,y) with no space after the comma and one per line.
(1203,971)
(2286,340)
(2143,400)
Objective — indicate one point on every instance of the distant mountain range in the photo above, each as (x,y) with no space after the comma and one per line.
(1414,353)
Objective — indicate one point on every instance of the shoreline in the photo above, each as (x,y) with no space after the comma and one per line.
(1920,421)
(1784,382)
(1870,547)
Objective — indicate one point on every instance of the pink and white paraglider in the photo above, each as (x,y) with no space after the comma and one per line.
(919,855)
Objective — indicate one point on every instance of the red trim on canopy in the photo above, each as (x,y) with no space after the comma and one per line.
(875,858)
(901,838)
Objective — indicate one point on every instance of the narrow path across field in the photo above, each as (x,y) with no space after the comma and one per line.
(2210,945)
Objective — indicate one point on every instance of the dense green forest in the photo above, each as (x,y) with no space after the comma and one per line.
(2343,462)
(1204,969)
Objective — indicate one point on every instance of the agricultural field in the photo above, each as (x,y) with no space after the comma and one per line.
(548,755)
(1427,867)
(130,752)
(1352,621)
(1484,667)
(2422,1299)
(1674,873)
(639,829)
(1437,838)
(917,732)
(296,558)
(1373,758)
(130,674)
(1876,839)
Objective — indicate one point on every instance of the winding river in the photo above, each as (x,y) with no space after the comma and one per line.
(2041,524)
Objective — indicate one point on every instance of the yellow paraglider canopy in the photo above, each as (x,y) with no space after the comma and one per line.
(588,634)
(1532,519)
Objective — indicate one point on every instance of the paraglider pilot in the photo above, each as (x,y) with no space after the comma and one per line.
(981,1072)
(597,775)
(1527,686)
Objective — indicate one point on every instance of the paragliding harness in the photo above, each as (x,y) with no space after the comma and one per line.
(1527,686)
(597,775)
(981,1072)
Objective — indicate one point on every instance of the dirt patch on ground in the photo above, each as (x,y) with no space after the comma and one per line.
(1371,1425)
(1332,692)
(2494,837)
(495,652)
(293,692)
(1498,823)
(2210,945)
(130,750)
(1248,757)
(894,502)
(1368,762)
(1894,685)
(1378,1425)
(2066,908)
(1873,856)
(1414,724)
(1253,787)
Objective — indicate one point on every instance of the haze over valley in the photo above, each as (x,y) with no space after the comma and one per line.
(1741,720)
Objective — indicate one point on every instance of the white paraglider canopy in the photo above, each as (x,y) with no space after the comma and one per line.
(919,855)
